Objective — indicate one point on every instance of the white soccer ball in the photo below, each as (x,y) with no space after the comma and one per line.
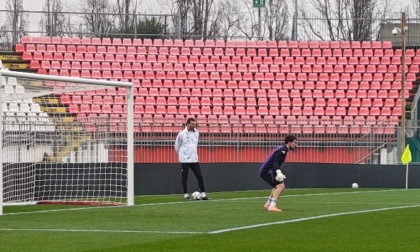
(354,185)
(280,177)
(196,195)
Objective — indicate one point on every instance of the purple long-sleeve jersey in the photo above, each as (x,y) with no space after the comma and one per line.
(275,160)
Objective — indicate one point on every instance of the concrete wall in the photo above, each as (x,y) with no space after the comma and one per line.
(166,178)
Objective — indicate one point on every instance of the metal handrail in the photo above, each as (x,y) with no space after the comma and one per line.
(370,153)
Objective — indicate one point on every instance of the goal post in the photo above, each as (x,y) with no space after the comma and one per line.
(65,140)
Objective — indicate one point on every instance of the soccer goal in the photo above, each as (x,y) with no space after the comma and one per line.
(65,140)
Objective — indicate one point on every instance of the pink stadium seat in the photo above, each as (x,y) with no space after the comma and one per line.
(345,44)
(285,111)
(313,44)
(282,44)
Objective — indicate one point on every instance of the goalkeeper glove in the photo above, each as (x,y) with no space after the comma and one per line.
(280,176)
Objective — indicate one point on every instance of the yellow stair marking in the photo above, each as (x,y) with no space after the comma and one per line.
(49,100)
(54,109)
(15,65)
(9,57)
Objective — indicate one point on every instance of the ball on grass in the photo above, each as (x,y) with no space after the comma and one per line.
(354,185)
(196,195)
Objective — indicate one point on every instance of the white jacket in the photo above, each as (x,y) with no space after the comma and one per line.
(186,146)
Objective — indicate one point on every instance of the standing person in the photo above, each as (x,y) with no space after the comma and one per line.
(186,147)
(271,173)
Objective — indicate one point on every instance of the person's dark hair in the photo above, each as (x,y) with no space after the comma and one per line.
(189,120)
(289,138)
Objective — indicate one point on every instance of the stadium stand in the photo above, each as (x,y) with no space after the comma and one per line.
(302,87)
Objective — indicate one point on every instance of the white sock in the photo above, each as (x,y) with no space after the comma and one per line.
(203,194)
(269,200)
(185,195)
(273,203)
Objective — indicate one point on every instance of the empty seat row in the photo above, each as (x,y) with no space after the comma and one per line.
(87,99)
(237,60)
(210,67)
(98,41)
(282,93)
(237,76)
(234,91)
(265,110)
(207,43)
(246,129)
(260,100)
(97,108)
(270,129)
(269,124)
(327,52)
(20,107)
(162,74)
(235,84)
(204,59)
(13,89)
(265,119)
(102,118)
(256,101)
(250,93)
(29,115)
(12,81)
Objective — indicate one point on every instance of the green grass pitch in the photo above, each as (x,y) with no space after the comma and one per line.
(313,220)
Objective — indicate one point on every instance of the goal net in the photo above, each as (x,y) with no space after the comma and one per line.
(65,140)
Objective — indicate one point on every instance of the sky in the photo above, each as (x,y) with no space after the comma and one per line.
(36,5)
(147,7)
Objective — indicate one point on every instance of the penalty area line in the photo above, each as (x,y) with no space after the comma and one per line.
(309,218)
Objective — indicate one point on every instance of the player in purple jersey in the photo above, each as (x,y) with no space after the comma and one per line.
(271,173)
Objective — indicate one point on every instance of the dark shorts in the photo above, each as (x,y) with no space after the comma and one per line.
(270,179)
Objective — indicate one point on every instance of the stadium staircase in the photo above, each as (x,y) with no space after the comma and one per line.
(14,62)
(410,98)
(59,115)
(51,104)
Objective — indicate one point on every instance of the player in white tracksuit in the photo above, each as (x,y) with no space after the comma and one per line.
(186,147)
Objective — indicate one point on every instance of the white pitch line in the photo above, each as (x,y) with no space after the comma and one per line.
(356,203)
(265,197)
(308,218)
(211,232)
(99,231)
(183,202)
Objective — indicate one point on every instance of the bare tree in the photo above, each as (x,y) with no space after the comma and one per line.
(201,16)
(214,27)
(16,21)
(126,10)
(344,19)
(228,18)
(197,17)
(276,20)
(415,10)
(274,23)
(179,10)
(248,25)
(99,18)
(53,21)
(182,8)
